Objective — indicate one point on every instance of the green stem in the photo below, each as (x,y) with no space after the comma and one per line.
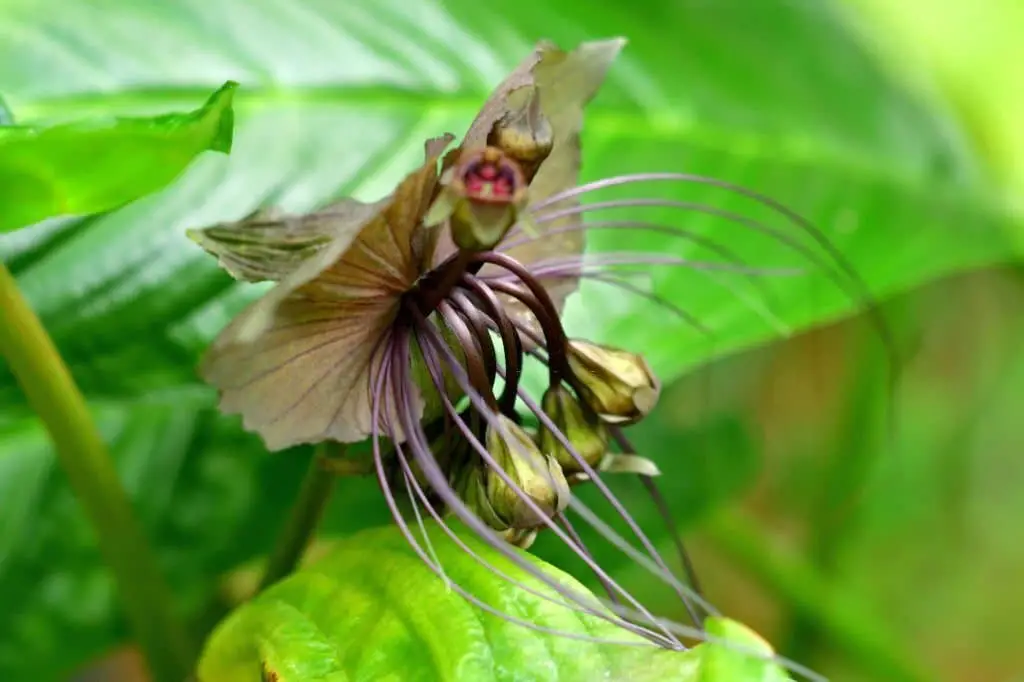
(52,393)
(305,517)
(850,628)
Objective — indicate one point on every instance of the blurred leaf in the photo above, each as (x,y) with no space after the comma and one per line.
(337,99)
(5,114)
(972,51)
(372,609)
(96,165)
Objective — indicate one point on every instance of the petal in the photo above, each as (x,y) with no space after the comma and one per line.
(297,364)
(307,378)
(268,244)
(496,105)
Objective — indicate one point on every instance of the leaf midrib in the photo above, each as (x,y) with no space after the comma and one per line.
(683,127)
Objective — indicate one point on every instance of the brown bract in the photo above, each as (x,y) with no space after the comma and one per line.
(297,364)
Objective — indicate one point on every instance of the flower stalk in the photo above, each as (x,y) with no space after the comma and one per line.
(305,515)
(145,596)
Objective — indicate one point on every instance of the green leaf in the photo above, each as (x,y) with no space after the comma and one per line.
(371,609)
(96,165)
(337,99)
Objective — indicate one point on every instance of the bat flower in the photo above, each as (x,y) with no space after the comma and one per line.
(409,320)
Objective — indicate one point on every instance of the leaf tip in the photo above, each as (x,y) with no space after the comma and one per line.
(222,102)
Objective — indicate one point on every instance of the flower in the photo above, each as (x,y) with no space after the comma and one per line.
(394,320)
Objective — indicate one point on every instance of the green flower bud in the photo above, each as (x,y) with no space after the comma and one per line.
(579,426)
(481,198)
(471,490)
(538,475)
(618,385)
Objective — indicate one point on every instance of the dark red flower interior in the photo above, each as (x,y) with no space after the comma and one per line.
(490,181)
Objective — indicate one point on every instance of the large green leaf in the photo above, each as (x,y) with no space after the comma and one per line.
(99,164)
(337,99)
(372,610)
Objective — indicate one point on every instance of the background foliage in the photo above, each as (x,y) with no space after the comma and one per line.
(777,461)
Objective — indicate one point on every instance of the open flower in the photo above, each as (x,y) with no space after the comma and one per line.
(398,320)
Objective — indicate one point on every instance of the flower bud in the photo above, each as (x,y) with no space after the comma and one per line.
(580,427)
(481,198)
(523,132)
(538,475)
(618,385)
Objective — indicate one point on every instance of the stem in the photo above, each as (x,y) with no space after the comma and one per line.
(305,516)
(52,393)
(852,629)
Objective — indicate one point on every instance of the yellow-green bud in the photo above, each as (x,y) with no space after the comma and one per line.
(469,485)
(538,475)
(618,385)
(580,427)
